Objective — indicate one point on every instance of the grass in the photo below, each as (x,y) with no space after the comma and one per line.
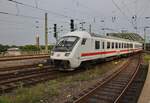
(32,95)
(146,58)
(52,88)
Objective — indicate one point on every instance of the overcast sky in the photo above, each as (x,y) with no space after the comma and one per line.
(115,15)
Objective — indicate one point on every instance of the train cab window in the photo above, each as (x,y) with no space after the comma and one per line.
(103,45)
(97,44)
(112,46)
(116,45)
(83,41)
(108,45)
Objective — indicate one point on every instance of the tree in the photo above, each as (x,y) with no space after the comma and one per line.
(3,48)
(29,48)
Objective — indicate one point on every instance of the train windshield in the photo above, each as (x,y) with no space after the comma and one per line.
(66,44)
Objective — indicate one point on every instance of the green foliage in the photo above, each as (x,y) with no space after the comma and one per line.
(3,48)
(34,48)
(146,58)
(29,48)
(49,47)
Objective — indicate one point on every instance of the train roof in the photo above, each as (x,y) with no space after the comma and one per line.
(84,34)
(109,37)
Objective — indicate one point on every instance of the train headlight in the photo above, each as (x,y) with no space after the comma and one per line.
(67,54)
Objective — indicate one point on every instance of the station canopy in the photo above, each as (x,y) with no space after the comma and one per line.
(130,36)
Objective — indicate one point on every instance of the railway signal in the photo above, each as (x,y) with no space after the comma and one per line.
(71,25)
(55,31)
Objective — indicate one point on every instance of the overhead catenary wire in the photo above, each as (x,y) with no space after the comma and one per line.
(143,10)
(20,15)
(116,5)
(126,6)
(79,4)
(28,17)
(49,11)
(15,22)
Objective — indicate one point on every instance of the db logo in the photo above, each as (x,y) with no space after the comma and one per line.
(58,55)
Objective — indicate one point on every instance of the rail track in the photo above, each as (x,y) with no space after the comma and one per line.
(12,79)
(132,94)
(113,88)
(23,57)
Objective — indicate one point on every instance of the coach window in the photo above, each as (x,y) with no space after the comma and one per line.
(83,41)
(119,45)
(97,45)
(131,45)
(128,45)
(116,45)
(112,46)
(108,45)
(122,45)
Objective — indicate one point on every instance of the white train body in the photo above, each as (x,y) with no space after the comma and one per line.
(79,46)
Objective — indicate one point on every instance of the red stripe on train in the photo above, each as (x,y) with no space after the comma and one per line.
(105,52)
(97,53)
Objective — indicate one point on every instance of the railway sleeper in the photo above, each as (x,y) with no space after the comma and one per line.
(116,85)
(111,90)
(127,100)
(112,87)
(103,98)
(107,93)
(120,82)
(95,100)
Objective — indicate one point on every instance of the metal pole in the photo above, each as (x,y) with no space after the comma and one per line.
(90,28)
(144,38)
(46,33)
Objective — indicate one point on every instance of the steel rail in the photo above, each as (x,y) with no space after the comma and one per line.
(108,79)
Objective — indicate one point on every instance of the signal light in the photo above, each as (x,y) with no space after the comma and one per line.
(55,30)
(72,25)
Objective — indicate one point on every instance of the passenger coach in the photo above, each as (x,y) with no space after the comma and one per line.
(77,47)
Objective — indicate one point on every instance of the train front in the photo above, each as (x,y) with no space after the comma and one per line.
(63,54)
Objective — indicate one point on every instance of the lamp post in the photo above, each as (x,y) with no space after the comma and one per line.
(145,33)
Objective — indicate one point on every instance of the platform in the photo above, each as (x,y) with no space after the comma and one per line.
(145,94)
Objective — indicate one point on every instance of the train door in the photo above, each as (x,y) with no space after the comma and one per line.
(84,48)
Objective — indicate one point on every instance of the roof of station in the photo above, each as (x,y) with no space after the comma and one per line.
(130,36)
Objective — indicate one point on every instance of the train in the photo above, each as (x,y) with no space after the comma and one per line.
(78,47)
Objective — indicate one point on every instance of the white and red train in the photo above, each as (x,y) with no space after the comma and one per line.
(77,47)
